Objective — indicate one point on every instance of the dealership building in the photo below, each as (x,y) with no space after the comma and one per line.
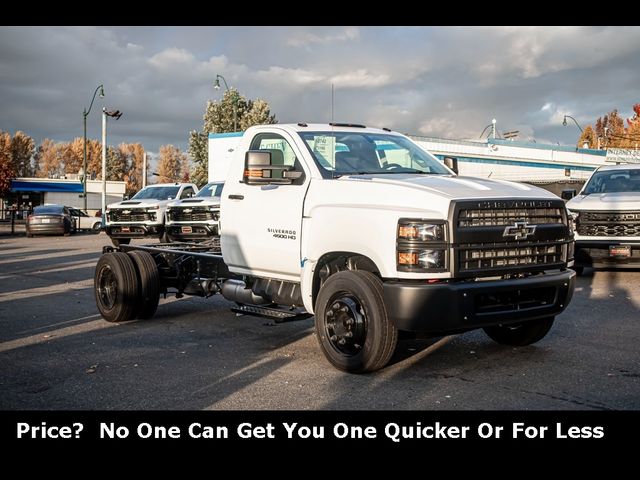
(27,193)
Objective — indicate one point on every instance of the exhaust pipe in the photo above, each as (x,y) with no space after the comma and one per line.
(237,291)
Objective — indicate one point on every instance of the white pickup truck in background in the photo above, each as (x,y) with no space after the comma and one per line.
(143,215)
(606,215)
(195,218)
(369,233)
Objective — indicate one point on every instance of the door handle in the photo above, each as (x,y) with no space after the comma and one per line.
(236,197)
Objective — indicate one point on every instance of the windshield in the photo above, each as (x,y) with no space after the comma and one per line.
(211,190)
(611,181)
(157,193)
(48,210)
(340,153)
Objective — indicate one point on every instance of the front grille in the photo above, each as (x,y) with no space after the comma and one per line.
(475,217)
(609,224)
(499,237)
(191,215)
(484,258)
(133,215)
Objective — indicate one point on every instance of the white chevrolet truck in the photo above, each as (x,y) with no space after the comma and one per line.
(197,218)
(606,214)
(369,233)
(144,214)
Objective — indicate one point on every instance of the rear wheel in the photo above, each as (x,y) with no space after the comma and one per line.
(96,227)
(520,334)
(149,280)
(351,322)
(120,241)
(116,287)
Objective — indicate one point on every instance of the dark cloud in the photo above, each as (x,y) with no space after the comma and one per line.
(430,81)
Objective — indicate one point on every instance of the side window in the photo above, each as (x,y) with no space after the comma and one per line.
(281,151)
(187,192)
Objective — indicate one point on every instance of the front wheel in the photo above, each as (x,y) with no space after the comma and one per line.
(351,322)
(520,334)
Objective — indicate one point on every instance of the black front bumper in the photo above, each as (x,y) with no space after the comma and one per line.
(595,253)
(458,306)
(135,231)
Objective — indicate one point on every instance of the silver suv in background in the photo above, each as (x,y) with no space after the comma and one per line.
(144,214)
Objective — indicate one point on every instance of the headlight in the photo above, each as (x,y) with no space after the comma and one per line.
(573,220)
(424,232)
(421,245)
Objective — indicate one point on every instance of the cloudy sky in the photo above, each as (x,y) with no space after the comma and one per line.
(439,81)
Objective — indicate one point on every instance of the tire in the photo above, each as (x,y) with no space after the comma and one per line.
(579,270)
(96,227)
(365,338)
(116,287)
(149,281)
(120,241)
(520,334)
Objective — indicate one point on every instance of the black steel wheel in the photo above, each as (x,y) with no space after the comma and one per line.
(521,334)
(351,322)
(149,280)
(116,287)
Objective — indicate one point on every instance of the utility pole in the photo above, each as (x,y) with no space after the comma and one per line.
(104,164)
(144,170)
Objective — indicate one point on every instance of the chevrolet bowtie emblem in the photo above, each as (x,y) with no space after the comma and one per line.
(519,230)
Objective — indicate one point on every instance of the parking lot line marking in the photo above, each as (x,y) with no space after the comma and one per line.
(49,289)
(43,256)
(66,267)
(45,327)
(54,335)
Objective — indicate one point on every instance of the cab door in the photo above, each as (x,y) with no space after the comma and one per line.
(261,224)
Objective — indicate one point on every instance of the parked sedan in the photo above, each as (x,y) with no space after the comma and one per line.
(50,219)
(82,221)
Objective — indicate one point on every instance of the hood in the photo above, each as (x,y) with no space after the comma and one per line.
(456,187)
(147,202)
(606,201)
(196,202)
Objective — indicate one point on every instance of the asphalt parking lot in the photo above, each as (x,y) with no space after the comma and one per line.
(57,353)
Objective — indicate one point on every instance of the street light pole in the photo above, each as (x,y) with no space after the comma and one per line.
(234,100)
(564,122)
(117,114)
(85,113)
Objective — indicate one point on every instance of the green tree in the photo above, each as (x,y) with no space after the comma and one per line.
(116,164)
(171,164)
(198,152)
(218,118)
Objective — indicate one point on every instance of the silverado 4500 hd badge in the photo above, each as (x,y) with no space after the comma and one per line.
(282,233)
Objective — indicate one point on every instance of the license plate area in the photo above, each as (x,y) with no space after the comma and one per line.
(46,220)
(620,251)
(186,230)
(125,229)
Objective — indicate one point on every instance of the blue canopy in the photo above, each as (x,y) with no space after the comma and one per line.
(45,186)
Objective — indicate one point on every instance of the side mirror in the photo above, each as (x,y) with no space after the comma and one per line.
(259,170)
(452,163)
(568,194)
